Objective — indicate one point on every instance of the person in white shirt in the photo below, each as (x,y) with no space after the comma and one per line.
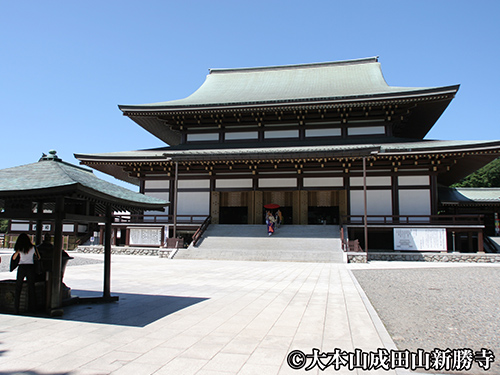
(25,250)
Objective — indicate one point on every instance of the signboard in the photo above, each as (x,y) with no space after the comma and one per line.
(145,236)
(420,239)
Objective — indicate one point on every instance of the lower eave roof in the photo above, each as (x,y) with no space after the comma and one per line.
(174,154)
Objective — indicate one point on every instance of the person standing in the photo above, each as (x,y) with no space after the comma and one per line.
(26,251)
(270,224)
(279,218)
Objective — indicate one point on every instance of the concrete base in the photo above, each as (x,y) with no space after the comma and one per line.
(355,257)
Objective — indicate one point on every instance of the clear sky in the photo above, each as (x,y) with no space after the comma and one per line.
(66,65)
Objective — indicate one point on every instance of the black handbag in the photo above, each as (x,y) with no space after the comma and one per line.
(14,262)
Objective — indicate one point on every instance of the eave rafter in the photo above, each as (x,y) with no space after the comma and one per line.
(392,110)
(434,162)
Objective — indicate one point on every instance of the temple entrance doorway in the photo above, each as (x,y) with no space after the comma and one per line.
(233,215)
(282,198)
(235,207)
(325,207)
(323,215)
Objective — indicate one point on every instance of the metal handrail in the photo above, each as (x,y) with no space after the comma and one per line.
(201,230)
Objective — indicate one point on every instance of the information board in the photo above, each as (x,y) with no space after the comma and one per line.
(420,239)
(145,236)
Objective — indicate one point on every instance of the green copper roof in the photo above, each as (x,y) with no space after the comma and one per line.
(289,83)
(257,152)
(469,195)
(53,174)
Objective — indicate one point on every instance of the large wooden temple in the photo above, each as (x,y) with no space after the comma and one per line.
(331,143)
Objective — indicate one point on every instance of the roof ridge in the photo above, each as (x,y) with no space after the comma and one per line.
(365,60)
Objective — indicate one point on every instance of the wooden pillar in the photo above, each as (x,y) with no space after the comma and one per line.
(55,308)
(470,241)
(480,242)
(176,196)
(303,207)
(107,254)
(365,199)
(258,204)
(215,206)
(251,206)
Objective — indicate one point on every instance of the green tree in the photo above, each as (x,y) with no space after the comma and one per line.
(487,176)
(4,224)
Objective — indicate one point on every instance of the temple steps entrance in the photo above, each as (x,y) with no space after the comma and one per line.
(290,243)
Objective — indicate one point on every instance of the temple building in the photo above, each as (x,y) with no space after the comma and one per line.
(330,143)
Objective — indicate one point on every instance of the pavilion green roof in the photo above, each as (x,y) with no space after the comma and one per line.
(51,176)
(469,196)
(350,79)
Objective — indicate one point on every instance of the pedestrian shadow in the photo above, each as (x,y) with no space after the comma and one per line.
(134,310)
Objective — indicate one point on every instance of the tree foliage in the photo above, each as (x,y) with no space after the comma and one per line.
(487,176)
(4,224)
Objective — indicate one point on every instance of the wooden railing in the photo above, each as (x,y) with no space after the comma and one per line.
(158,219)
(201,230)
(414,219)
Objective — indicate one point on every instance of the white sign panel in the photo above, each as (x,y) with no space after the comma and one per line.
(145,236)
(420,239)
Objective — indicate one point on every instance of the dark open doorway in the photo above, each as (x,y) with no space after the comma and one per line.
(322,215)
(233,215)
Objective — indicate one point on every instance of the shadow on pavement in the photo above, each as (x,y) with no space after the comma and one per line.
(135,310)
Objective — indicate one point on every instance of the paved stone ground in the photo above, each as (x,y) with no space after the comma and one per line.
(439,306)
(77,261)
(194,317)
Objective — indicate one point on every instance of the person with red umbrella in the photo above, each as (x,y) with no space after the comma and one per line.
(270,219)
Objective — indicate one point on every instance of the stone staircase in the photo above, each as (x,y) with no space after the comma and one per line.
(290,243)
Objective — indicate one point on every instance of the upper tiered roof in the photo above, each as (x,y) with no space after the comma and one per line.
(265,96)
(303,83)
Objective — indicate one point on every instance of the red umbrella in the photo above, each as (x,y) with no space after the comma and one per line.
(271,206)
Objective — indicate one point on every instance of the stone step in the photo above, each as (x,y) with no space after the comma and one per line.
(290,243)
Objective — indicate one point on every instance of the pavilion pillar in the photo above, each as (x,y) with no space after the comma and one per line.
(56,280)
(39,224)
(480,243)
(107,254)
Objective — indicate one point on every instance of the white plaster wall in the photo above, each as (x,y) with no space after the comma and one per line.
(379,202)
(277,183)
(415,202)
(193,184)
(156,184)
(336,132)
(195,203)
(281,134)
(323,181)
(371,181)
(236,183)
(366,130)
(414,180)
(203,137)
(241,135)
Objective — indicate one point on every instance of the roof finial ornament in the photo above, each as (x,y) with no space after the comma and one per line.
(52,156)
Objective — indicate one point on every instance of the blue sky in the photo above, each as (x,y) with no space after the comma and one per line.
(66,65)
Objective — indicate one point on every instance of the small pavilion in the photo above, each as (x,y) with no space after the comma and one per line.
(56,191)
